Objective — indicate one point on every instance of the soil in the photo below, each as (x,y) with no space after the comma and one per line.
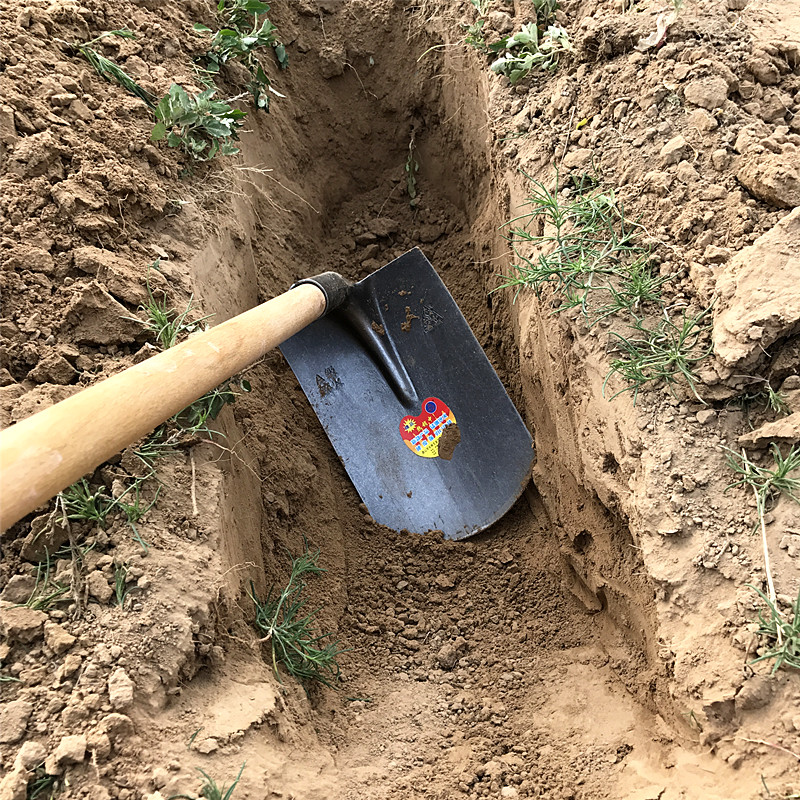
(595,643)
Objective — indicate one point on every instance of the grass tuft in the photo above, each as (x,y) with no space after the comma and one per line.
(667,353)
(765,397)
(783,634)
(108,69)
(210,789)
(45,592)
(288,629)
(165,323)
(120,584)
(82,503)
(592,250)
(767,484)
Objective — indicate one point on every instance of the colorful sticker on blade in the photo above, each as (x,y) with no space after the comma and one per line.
(424,434)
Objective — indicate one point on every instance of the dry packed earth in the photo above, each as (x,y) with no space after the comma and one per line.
(598,641)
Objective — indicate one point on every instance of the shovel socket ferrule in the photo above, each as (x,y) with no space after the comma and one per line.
(332,285)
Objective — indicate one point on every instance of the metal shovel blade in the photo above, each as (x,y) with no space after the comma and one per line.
(412,405)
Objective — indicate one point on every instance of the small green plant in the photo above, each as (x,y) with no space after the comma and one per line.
(530,49)
(589,248)
(782,633)
(545,11)
(193,737)
(767,484)
(168,326)
(210,790)
(82,503)
(154,447)
(45,592)
(240,40)
(196,418)
(164,322)
(236,13)
(42,786)
(201,126)
(288,630)
(776,401)
(473,34)
(666,353)
(120,584)
(766,397)
(108,69)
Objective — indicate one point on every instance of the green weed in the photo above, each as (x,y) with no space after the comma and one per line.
(665,353)
(45,592)
(767,484)
(766,397)
(593,250)
(134,509)
(530,49)
(288,630)
(545,11)
(782,633)
(195,418)
(120,584)
(82,503)
(43,786)
(236,13)
(210,790)
(199,125)
(164,322)
(239,40)
(637,286)
(168,326)
(108,69)
(193,737)
(159,444)
(473,34)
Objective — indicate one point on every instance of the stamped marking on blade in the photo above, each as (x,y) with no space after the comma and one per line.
(430,319)
(330,382)
(424,434)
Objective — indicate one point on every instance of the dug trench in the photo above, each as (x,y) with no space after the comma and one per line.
(523,662)
(541,658)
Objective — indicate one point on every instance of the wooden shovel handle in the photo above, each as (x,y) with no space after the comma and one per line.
(48,451)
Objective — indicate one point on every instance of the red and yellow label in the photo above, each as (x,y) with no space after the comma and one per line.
(422,433)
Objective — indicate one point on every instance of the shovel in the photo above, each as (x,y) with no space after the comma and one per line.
(407,397)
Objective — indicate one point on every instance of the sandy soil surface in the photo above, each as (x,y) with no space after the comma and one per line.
(597,642)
